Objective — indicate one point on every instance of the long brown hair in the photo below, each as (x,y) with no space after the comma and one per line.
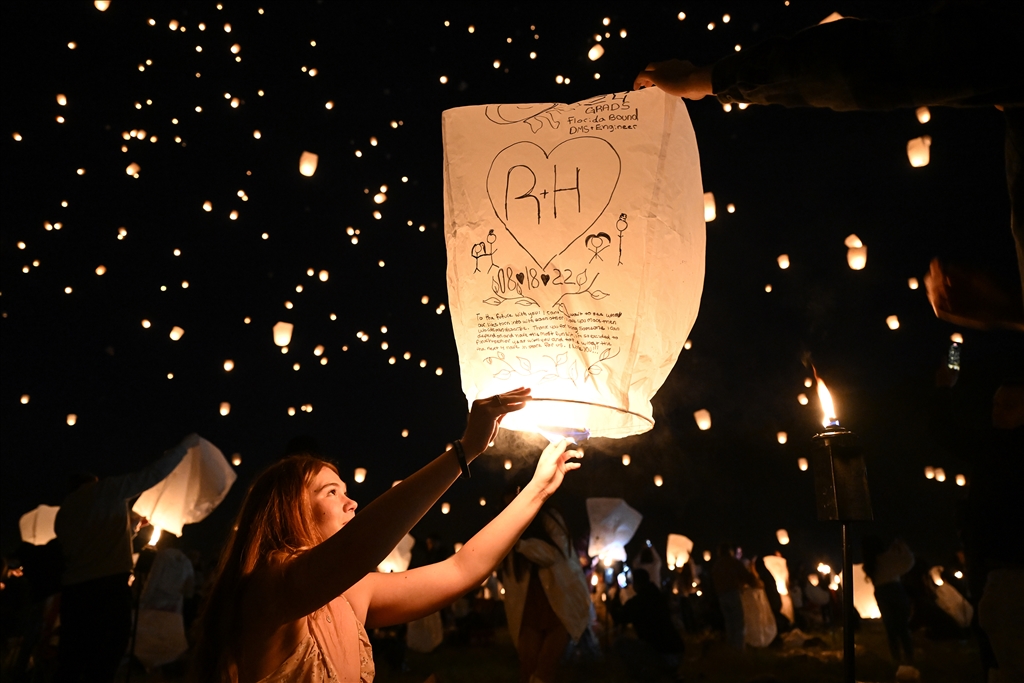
(274,523)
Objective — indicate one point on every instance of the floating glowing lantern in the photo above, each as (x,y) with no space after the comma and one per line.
(808,382)
(101,5)
(782,437)
(835,16)
(707,555)
(307,163)
(783,260)
(596,52)
(283,333)
(802,399)
(919,151)
(923,114)
(802,464)
(768,288)
(658,481)
(940,474)
(236,459)
(626,459)
(100,270)
(783,537)
(703,419)
(483,501)
(687,344)
(229,365)
(176,333)
(71,419)
(677,550)
(929,472)
(61,100)
(207,206)
(324,275)
(133,170)
(824,568)
(893,322)
(445,508)
(508,464)
(319,350)
(709,207)
(857,257)
(612,525)
(146,324)
(36,526)
(853,242)
(359,476)
(961,480)
(225,408)
(25,399)
(956,338)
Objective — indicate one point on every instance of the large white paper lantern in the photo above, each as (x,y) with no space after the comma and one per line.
(191,492)
(864,594)
(36,526)
(677,550)
(283,333)
(575,239)
(307,163)
(779,570)
(919,151)
(612,525)
(399,558)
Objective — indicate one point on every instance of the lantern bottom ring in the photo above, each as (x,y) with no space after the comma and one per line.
(591,404)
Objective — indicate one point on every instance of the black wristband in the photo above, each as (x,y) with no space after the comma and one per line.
(460,453)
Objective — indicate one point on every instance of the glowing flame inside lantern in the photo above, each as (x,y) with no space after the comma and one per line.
(828,410)
(155,536)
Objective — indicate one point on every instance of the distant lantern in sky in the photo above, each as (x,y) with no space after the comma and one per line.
(146,324)
(929,472)
(229,365)
(101,5)
(961,480)
(100,270)
(132,169)
(783,260)
(324,275)
(782,437)
(707,555)
(783,536)
(307,163)
(176,333)
(919,151)
(225,408)
(893,322)
(283,333)
(236,459)
(359,476)
(857,257)
(709,207)
(923,114)
(445,508)
(596,52)
(508,464)
(940,474)
(72,419)
(802,399)
(319,350)
(626,459)
(62,100)
(852,241)
(703,418)
(207,206)
(483,501)
(802,464)
(25,399)
(658,481)
(912,283)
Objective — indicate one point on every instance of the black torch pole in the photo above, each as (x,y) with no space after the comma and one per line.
(841,494)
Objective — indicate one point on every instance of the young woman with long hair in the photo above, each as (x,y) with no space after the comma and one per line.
(297,586)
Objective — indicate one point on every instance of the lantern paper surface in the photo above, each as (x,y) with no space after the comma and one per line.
(575,239)
(36,526)
(950,600)
(779,570)
(864,594)
(400,557)
(678,549)
(196,486)
(612,525)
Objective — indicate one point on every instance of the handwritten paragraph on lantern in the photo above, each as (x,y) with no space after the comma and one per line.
(588,332)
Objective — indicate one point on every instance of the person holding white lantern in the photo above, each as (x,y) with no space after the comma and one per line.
(298,587)
(95,532)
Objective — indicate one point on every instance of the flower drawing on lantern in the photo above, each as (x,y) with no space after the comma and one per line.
(621,226)
(533,115)
(597,243)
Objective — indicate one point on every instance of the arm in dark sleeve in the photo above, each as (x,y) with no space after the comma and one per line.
(130,485)
(961,54)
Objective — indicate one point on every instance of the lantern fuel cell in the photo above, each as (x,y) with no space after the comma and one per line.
(840,476)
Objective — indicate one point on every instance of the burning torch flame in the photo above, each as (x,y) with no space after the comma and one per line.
(828,410)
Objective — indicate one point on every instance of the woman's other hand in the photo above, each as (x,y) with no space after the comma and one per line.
(485,416)
(676,77)
(553,464)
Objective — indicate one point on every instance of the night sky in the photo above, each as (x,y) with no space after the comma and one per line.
(801,181)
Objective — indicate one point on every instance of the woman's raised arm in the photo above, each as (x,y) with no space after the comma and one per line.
(302,585)
(397,598)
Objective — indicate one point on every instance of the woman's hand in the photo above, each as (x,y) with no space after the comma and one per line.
(553,464)
(676,77)
(485,416)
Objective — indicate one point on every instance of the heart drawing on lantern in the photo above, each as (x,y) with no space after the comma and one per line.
(548,200)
